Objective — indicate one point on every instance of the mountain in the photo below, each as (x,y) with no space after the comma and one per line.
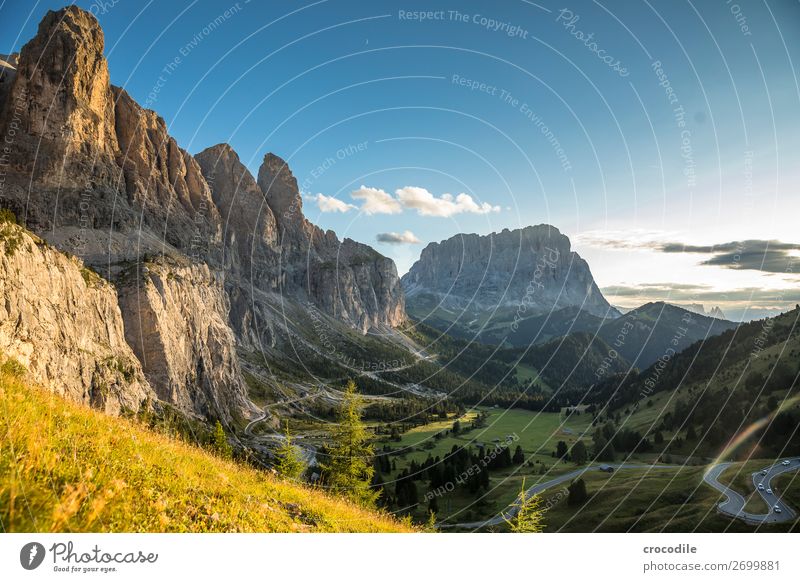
(200,262)
(271,246)
(492,285)
(62,322)
(658,331)
(744,381)
(715,312)
(545,327)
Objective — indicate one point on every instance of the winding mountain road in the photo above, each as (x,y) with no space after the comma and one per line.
(734,502)
(732,506)
(511,510)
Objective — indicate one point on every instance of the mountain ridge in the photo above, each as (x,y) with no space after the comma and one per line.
(98,176)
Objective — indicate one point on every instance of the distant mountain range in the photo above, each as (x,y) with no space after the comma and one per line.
(526,287)
(472,285)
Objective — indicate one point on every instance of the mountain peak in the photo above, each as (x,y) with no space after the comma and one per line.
(62,77)
(280,188)
(531,269)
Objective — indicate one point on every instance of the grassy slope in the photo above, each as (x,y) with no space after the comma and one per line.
(687,382)
(537,434)
(788,487)
(70,469)
(622,501)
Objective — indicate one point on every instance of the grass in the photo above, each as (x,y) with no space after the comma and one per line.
(528,374)
(65,468)
(642,501)
(787,486)
(536,432)
(651,409)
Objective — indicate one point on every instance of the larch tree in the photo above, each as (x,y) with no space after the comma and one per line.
(290,464)
(529,516)
(349,467)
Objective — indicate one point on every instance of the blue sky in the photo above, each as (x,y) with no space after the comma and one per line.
(366,94)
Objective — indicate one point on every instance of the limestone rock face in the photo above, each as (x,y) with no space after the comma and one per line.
(273,248)
(66,130)
(248,223)
(8,70)
(100,177)
(280,187)
(86,156)
(176,320)
(533,266)
(62,322)
(164,181)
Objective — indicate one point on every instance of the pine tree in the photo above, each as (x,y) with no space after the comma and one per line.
(219,442)
(349,469)
(290,464)
(579,453)
(529,516)
(577,492)
(519,456)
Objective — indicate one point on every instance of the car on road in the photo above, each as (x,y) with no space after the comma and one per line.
(776,509)
(760,486)
(769,491)
(785,463)
(764,472)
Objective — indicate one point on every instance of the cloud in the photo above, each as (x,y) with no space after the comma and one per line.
(405,238)
(376,201)
(426,204)
(331,204)
(632,239)
(702,293)
(770,256)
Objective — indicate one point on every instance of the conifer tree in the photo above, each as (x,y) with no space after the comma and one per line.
(529,516)
(219,442)
(348,469)
(290,464)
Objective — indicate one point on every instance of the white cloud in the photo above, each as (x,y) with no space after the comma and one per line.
(331,204)
(376,201)
(426,204)
(405,238)
(629,239)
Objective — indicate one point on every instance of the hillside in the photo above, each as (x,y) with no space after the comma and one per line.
(67,468)
(742,382)
(657,330)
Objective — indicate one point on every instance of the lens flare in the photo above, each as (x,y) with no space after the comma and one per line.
(741,437)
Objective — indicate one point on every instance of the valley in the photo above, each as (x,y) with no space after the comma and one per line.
(177,328)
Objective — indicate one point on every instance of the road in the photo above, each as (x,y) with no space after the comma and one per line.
(511,510)
(734,501)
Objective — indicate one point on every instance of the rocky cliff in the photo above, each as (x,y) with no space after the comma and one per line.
(62,322)
(176,321)
(276,249)
(491,287)
(533,266)
(98,176)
